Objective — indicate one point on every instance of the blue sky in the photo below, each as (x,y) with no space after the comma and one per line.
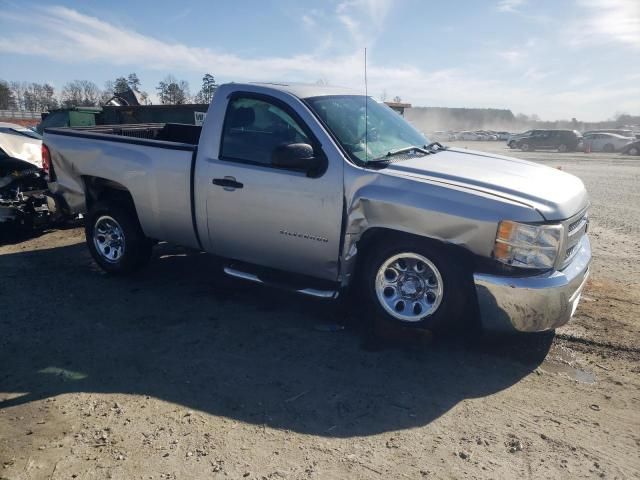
(557,59)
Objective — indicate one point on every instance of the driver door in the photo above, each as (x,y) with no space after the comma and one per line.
(272,216)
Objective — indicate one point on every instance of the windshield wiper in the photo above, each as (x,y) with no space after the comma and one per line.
(431,148)
(400,151)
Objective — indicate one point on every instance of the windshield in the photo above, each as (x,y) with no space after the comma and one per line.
(386,131)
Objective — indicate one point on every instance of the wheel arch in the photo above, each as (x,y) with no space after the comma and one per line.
(374,236)
(98,189)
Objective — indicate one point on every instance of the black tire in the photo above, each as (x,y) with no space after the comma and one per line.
(525,147)
(562,148)
(633,151)
(608,148)
(457,293)
(511,144)
(137,248)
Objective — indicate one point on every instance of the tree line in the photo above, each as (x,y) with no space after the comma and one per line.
(40,97)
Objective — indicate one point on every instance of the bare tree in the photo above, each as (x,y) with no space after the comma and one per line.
(7,97)
(18,89)
(33,97)
(80,93)
(144,98)
(173,92)
(107,92)
(39,97)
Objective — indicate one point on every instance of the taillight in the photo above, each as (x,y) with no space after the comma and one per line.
(46,159)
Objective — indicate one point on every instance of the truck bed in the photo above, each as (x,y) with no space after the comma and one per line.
(168,135)
(153,162)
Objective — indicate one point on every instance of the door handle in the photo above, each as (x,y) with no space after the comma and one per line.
(227,183)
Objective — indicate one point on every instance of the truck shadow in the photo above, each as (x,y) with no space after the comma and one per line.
(179,333)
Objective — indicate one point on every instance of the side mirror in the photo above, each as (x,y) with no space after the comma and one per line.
(296,156)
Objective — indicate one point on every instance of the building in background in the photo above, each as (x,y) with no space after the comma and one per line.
(398,106)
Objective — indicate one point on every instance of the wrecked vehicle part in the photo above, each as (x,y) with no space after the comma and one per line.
(23,195)
(20,143)
(440,212)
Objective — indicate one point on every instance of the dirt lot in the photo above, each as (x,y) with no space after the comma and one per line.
(177,374)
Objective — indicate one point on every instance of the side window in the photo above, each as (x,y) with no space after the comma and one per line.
(253,128)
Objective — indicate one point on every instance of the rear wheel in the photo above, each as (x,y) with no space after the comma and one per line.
(412,284)
(609,148)
(115,238)
(562,148)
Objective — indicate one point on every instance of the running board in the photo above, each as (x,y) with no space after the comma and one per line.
(311,292)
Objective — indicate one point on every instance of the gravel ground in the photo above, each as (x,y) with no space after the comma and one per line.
(178,374)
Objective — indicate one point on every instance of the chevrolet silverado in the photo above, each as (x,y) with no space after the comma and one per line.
(318,189)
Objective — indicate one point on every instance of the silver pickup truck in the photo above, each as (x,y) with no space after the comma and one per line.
(317,189)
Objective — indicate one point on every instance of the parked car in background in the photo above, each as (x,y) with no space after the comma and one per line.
(20,142)
(617,131)
(503,136)
(632,148)
(489,134)
(469,136)
(560,140)
(605,142)
(439,136)
(513,138)
(452,136)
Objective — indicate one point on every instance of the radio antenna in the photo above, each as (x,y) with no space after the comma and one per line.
(366,110)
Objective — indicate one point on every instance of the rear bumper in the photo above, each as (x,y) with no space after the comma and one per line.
(533,304)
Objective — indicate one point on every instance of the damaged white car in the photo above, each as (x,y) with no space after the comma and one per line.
(20,142)
(23,187)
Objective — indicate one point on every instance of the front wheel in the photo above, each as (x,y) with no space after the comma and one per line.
(608,148)
(562,148)
(525,147)
(634,151)
(412,284)
(115,238)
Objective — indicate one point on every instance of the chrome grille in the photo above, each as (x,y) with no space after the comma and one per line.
(575,229)
(573,226)
(570,251)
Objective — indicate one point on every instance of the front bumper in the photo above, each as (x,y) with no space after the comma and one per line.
(533,304)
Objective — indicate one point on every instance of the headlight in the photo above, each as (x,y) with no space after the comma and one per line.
(527,246)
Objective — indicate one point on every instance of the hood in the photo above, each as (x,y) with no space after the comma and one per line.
(22,147)
(556,195)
